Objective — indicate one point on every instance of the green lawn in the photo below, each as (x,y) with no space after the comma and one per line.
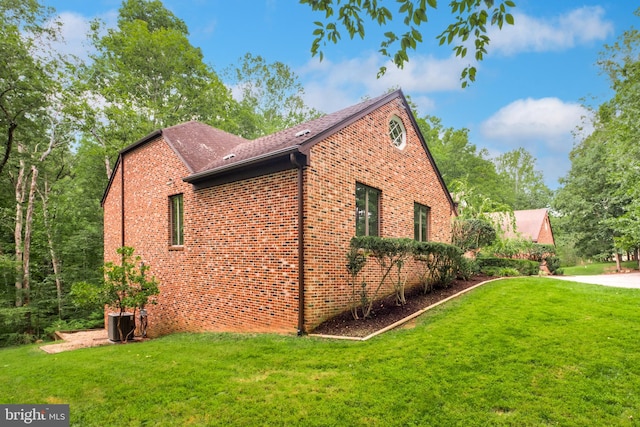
(597,268)
(517,352)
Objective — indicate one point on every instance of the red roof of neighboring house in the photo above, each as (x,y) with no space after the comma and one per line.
(528,223)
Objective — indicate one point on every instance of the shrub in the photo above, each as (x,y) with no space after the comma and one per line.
(501,271)
(523,266)
(519,248)
(125,286)
(440,263)
(467,268)
(471,234)
(388,253)
(553,264)
(356,260)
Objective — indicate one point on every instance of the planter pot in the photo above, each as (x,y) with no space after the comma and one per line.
(127,326)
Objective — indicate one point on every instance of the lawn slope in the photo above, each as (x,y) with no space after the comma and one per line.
(525,351)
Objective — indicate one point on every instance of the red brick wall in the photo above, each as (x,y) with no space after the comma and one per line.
(238,269)
(363,153)
(546,234)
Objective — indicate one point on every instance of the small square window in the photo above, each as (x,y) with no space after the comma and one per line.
(421,218)
(176,220)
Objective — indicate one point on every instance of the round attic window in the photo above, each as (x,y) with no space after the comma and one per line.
(397,132)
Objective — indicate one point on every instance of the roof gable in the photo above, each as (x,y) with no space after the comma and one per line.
(208,152)
(301,135)
(528,223)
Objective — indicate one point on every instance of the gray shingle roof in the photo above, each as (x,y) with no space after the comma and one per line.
(203,148)
(197,143)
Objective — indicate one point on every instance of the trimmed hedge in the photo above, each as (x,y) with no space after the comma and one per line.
(525,267)
(439,264)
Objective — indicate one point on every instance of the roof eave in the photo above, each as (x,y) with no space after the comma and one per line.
(242,164)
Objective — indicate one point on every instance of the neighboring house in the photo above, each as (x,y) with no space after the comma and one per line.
(253,235)
(533,224)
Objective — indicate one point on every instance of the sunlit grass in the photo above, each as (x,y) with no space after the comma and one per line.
(517,352)
(591,269)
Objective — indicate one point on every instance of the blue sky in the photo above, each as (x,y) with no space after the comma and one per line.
(530,90)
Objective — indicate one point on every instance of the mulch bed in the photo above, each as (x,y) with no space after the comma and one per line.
(385,312)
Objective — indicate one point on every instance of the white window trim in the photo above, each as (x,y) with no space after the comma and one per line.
(400,140)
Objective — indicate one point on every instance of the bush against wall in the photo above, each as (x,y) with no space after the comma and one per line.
(440,263)
(434,264)
(390,255)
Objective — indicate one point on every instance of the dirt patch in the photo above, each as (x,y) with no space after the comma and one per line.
(386,313)
(75,340)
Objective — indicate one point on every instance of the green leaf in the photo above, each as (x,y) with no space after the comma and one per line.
(509,18)
(419,16)
(416,35)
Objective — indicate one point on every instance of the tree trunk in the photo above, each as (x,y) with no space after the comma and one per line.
(618,262)
(107,162)
(28,222)
(17,234)
(54,257)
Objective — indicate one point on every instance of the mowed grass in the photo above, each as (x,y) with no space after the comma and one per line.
(516,352)
(597,268)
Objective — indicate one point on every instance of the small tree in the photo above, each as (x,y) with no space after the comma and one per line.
(470,234)
(356,260)
(387,253)
(125,286)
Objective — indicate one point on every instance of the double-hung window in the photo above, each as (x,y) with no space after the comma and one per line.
(176,220)
(367,211)
(421,215)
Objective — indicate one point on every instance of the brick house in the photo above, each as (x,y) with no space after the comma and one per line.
(252,235)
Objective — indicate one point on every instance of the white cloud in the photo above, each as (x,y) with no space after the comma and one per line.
(74,30)
(529,34)
(330,86)
(548,120)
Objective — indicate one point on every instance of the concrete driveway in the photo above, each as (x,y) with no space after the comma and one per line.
(621,280)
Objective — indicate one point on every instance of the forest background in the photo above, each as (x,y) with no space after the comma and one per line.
(63,121)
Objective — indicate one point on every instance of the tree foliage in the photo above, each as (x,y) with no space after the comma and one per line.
(517,169)
(473,233)
(600,198)
(460,162)
(271,92)
(26,80)
(471,19)
(146,75)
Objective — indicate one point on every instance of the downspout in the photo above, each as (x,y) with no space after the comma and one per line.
(121,200)
(296,162)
